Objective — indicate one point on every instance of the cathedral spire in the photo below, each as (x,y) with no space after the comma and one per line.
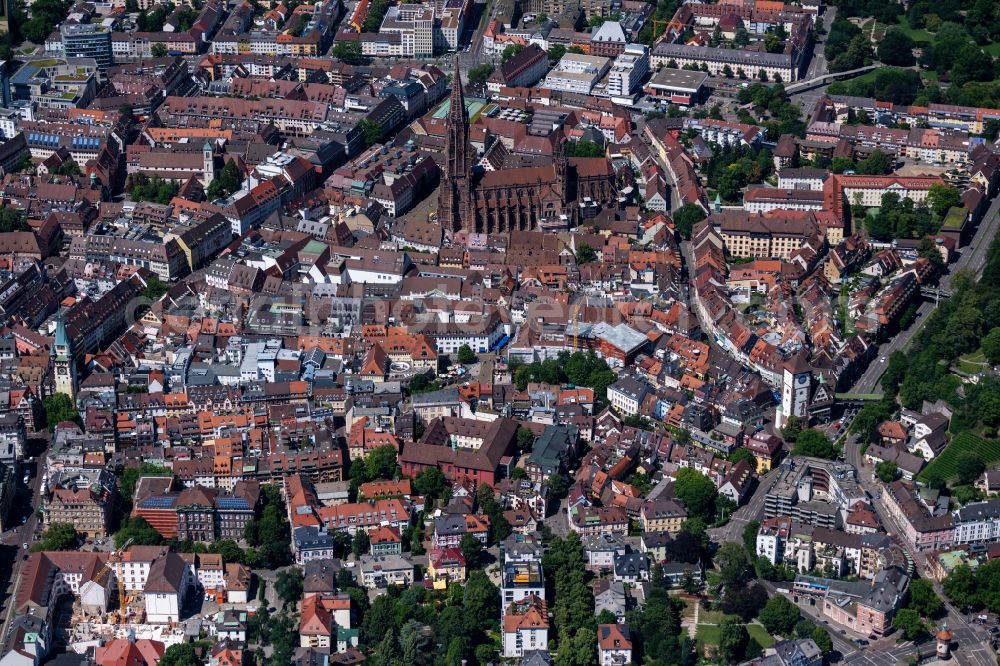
(457,109)
(454,199)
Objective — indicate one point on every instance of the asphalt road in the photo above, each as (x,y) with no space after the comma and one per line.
(818,66)
(13,555)
(752,510)
(973,258)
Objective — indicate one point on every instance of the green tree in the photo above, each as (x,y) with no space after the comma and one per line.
(155,288)
(841,164)
(582,149)
(556,52)
(773,43)
(896,48)
(556,485)
(139,531)
(465,355)
(229,550)
(792,428)
(158,50)
(480,73)
(991,129)
(289,585)
(924,598)
(510,51)
(822,638)
(741,454)
(499,527)
(641,482)
(750,536)
(481,600)
(432,484)
(348,52)
(812,442)
(991,346)
(962,587)
(376,12)
(887,471)
(360,544)
(969,467)
(228,181)
(379,463)
(270,534)
(606,617)
(732,562)
(686,217)
(579,649)
(69,168)
(941,197)
(697,493)
(12,219)
(185,654)
(59,536)
(585,254)
(733,638)
(59,407)
(746,601)
(866,422)
(876,164)
(472,550)
(371,131)
(525,438)
(908,621)
(779,615)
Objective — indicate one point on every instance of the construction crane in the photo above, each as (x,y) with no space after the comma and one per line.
(114,558)
(657,22)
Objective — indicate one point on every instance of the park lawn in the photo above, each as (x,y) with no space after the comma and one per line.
(707,634)
(973,362)
(867,77)
(709,617)
(987,450)
(759,633)
(917,35)
(993,49)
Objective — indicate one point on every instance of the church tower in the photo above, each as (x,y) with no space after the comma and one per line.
(63,363)
(454,196)
(208,163)
(796,385)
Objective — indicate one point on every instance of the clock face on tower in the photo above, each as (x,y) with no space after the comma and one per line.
(802,379)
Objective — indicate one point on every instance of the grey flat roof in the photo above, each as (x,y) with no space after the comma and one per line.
(732,56)
(679,79)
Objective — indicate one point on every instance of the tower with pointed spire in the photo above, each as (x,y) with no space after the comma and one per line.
(455,194)
(63,363)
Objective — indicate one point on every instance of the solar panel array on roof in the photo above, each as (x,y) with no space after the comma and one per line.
(158,502)
(232,503)
(86,142)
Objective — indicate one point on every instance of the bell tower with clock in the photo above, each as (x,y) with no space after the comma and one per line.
(63,363)
(796,385)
